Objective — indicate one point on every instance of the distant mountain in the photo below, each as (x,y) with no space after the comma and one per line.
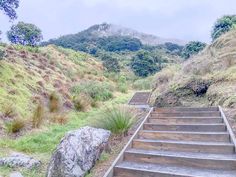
(105,30)
(109,37)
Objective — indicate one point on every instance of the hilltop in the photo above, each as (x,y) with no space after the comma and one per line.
(108,30)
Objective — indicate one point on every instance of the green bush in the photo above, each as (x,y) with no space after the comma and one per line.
(192,48)
(144,64)
(96,90)
(222,25)
(116,119)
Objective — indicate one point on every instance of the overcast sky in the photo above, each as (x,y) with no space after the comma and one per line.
(182,19)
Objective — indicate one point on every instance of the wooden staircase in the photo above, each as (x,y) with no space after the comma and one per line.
(179,142)
(140,98)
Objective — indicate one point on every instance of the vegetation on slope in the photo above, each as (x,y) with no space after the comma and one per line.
(207,78)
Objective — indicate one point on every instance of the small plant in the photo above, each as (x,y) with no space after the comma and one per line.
(82,102)
(117,119)
(8,110)
(14,125)
(60,118)
(54,102)
(38,115)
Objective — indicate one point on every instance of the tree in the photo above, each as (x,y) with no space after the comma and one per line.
(143,64)
(25,34)
(9,7)
(111,63)
(192,48)
(223,25)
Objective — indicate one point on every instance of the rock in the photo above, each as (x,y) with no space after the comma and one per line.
(20,160)
(77,152)
(16,174)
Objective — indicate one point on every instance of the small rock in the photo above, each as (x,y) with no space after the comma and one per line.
(16,174)
(19,160)
(77,152)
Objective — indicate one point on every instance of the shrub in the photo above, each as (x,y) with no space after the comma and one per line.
(38,115)
(222,25)
(116,119)
(96,90)
(144,64)
(14,125)
(82,102)
(111,63)
(192,48)
(54,102)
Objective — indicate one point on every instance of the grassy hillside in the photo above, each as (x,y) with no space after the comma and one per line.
(28,73)
(71,87)
(208,78)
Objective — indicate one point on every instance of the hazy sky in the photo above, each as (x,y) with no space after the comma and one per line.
(182,19)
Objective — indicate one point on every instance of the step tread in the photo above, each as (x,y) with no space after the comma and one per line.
(183,124)
(184,117)
(186,142)
(187,132)
(192,155)
(174,170)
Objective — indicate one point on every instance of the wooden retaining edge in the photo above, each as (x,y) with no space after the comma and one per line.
(229,129)
(120,157)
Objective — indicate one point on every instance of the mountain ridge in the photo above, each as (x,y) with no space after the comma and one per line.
(106,29)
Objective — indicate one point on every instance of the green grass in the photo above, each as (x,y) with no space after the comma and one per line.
(45,141)
(116,119)
(40,144)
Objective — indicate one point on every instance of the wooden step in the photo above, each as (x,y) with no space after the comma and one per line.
(133,169)
(185,109)
(181,146)
(173,120)
(188,114)
(186,127)
(185,136)
(195,160)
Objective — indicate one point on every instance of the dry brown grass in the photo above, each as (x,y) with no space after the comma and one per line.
(59,118)
(38,114)
(83,102)
(15,125)
(54,102)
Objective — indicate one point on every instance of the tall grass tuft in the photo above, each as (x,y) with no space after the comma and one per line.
(82,102)
(14,125)
(116,119)
(54,102)
(37,118)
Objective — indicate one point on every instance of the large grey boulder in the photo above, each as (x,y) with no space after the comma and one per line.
(77,152)
(20,160)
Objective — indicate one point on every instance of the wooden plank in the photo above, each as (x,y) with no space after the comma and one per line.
(120,157)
